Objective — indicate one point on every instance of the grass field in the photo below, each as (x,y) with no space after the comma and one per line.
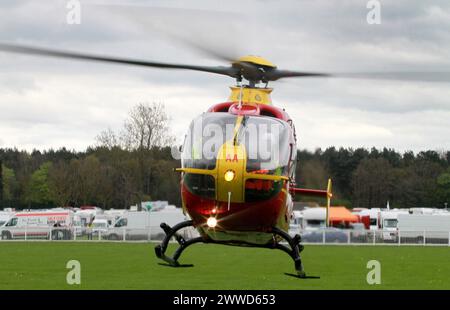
(42,265)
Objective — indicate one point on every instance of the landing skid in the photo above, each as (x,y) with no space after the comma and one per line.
(293,250)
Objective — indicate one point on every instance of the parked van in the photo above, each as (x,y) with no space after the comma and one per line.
(145,225)
(54,224)
(424,226)
(100,225)
(4,217)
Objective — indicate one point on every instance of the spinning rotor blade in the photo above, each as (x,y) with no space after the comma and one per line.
(276,74)
(238,69)
(229,71)
(425,76)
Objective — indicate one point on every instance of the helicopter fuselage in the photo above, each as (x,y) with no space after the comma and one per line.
(238,195)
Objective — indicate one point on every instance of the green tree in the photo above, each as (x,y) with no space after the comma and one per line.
(60,182)
(9,183)
(372,183)
(443,182)
(38,188)
(312,174)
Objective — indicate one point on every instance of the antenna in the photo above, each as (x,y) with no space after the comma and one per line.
(240,95)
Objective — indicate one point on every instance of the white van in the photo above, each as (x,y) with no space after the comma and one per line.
(420,226)
(54,224)
(314,218)
(144,225)
(4,217)
(100,225)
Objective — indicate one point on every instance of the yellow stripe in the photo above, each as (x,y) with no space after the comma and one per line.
(238,124)
(197,171)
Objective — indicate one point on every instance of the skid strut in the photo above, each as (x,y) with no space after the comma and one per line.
(160,249)
(293,250)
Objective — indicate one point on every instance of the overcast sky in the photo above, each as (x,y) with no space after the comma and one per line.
(47,103)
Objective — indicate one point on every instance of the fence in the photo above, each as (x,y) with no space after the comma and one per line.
(319,236)
(87,234)
(374,237)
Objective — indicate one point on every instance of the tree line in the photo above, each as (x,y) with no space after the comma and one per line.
(135,164)
(370,178)
(117,178)
(108,178)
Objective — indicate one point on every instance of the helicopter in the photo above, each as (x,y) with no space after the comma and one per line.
(233,193)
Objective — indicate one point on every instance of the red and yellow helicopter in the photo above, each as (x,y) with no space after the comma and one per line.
(235,195)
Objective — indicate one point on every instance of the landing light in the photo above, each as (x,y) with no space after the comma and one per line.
(211,222)
(229,175)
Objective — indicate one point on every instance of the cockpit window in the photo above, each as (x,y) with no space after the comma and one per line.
(266,141)
(257,190)
(267,144)
(206,135)
(201,185)
(267,147)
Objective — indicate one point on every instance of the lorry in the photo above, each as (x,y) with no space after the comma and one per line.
(374,218)
(47,224)
(389,224)
(431,228)
(144,225)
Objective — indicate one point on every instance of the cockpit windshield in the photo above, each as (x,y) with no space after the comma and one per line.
(207,133)
(266,141)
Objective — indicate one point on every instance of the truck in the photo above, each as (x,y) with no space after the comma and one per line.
(48,224)
(374,216)
(431,228)
(389,224)
(144,225)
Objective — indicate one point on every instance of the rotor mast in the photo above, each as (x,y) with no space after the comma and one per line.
(252,69)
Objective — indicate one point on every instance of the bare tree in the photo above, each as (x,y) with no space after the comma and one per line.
(146,127)
(108,138)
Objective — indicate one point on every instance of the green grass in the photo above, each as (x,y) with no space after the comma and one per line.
(41,265)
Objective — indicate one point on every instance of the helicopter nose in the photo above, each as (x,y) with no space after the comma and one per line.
(230,173)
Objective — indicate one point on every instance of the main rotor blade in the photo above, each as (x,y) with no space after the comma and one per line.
(276,74)
(424,76)
(21,49)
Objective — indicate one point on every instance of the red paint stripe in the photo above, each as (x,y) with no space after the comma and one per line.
(42,214)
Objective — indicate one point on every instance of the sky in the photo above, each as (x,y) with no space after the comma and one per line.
(52,103)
